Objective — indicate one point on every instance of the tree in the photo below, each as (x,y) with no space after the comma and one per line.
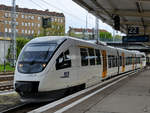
(72,34)
(117,38)
(20,42)
(105,36)
(55,30)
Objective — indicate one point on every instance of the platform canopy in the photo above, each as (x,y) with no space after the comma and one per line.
(134,13)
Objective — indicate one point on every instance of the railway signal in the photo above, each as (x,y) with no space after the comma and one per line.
(116,22)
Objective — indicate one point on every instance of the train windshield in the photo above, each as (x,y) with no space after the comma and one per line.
(35,57)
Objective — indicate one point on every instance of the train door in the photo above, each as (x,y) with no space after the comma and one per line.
(141,62)
(104,73)
(123,62)
(133,62)
(118,63)
(135,59)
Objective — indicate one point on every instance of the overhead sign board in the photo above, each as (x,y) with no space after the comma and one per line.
(133,30)
(141,38)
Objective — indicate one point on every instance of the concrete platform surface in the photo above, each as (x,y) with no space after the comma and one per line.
(131,95)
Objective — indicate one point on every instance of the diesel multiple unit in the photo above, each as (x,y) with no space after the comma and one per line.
(52,66)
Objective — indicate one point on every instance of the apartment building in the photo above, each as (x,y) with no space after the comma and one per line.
(29,22)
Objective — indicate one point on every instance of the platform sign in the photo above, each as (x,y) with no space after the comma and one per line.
(141,38)
(133,30)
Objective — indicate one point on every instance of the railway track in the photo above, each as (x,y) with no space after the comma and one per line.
(6,82)
(6,78)
(24,108)
(6,87)
(72,100)
(6,73)
(28,107)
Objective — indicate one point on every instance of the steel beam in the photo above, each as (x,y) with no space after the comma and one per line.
(132,13)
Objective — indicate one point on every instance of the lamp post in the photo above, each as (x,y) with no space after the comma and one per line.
(13,46)
(97,29)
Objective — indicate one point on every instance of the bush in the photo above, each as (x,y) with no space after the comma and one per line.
(20,42)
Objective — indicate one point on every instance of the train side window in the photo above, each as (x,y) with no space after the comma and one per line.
(136,60)
(109,61)
(98,57)
(91,56)
(84,56)
(67,56)
(139,60)
(116,61)
(120,60)
(127,61)
(63,61)
(113,61)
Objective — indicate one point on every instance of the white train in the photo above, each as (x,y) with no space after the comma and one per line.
(52,66)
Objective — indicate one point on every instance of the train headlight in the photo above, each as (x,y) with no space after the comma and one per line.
(20,65)
(44,65)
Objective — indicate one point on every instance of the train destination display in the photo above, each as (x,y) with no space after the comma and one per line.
(141,38)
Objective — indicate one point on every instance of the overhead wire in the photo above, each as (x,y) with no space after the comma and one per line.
(60,9)
(37,4)
(44,3)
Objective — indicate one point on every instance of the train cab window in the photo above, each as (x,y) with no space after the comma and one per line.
(91,56)
(84,56)
(63,61)
(98,57)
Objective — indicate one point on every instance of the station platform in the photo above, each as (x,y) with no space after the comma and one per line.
(131,95)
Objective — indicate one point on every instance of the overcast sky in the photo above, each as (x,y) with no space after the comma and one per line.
(74,14)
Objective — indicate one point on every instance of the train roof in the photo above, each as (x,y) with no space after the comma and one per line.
(62,38)
(51,38)
(47,39)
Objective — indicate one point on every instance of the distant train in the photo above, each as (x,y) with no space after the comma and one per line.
(52,66)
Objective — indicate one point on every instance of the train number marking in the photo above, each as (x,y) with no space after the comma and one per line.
(66,75)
